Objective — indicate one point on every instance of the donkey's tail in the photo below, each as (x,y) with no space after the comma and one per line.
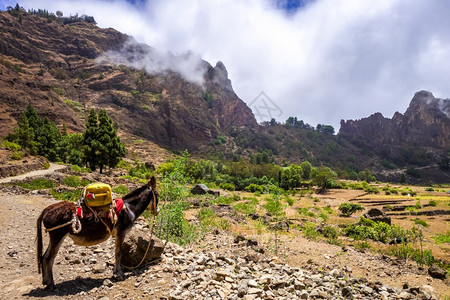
(39,242)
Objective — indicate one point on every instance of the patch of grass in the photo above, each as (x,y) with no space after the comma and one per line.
(37,184)
(328,210)
(442,238)
(362,245)
(305,212)
(121,190)
(310,231)
(432,203)
(420,222)
(79,169)
(332,234)
(289,201)
(58,90)
(72,181)
(245,208)
(11,146)
(323,216)
(71,196)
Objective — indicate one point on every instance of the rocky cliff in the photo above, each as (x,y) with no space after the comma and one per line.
(65,70)
(418,136)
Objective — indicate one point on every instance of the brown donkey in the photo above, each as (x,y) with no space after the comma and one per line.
(93,231)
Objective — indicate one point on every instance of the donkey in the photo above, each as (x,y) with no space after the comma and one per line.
(57,218)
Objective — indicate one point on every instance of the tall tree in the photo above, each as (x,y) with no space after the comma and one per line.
(90,143)
(101,144)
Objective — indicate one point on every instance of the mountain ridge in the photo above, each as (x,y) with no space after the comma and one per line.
(66,70)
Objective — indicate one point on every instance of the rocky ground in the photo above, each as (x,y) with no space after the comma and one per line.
(219,267)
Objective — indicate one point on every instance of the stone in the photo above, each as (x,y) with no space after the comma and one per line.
(377,215)
(135,247)
(437,272)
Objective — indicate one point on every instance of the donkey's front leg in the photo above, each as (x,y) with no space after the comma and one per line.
(117,269)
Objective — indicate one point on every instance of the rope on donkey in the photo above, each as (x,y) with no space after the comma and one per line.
(75,222)
(148,248)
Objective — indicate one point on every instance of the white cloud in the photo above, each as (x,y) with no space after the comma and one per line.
(330,60)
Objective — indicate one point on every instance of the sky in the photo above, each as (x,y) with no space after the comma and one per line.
(318,60)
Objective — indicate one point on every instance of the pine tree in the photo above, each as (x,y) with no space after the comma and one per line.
(101,145)
(90,143)
(110,147)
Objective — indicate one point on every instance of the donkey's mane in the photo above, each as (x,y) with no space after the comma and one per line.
(130,197)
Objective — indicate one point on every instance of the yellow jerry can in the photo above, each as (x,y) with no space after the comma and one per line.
(97,194)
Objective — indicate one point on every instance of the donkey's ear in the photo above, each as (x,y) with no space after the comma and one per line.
(152,183)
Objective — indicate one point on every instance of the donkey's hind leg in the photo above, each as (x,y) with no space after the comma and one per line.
(56,239)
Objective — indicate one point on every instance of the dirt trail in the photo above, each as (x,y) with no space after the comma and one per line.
(53,167)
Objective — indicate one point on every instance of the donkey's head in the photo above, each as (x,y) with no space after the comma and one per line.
(151,184)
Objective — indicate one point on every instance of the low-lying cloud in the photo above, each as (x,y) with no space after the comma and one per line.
(141,56)
(327,61)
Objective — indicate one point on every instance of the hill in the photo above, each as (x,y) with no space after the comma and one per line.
(65,67)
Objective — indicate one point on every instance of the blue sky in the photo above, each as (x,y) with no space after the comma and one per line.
(318,60)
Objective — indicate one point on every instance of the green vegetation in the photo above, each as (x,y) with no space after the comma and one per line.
(69,195)
(37,184)
(99,145)
(121,190)
(442,238)
(347,209)
(420,222)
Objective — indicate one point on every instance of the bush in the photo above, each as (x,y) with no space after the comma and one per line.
(432,203)
(442,238)
(72,196)
(17,155)
(429,189)
(252,188)
(37,184)
(121,190)
(227,186)
(11,145)
(72,181)
(347,208)
(420,222)
(330,232)
(310,231)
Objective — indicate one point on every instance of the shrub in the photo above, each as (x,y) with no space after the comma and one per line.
(37,184)
(420,222)
(11,145)
(121,190)
(79,169)
(72,196)
(328,210)
(310,231)
(432,203)
(442,238)
(330,232)
(254,188)
(289,201)
(227,186)
(347,209)
(72,181)
(245,208)
(17,155)
(429,189)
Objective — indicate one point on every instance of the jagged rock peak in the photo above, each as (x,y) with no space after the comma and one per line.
(424,100)
(221,76)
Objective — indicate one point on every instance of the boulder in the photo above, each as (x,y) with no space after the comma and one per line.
(377,215)
(437,272)
(200,189)
(136,244)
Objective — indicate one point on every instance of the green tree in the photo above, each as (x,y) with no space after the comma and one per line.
(306,168)
(324,177)
(90,142)
(291,177)
(101,144)
(366,175)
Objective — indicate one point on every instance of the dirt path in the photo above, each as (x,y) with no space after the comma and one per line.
(53,167)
